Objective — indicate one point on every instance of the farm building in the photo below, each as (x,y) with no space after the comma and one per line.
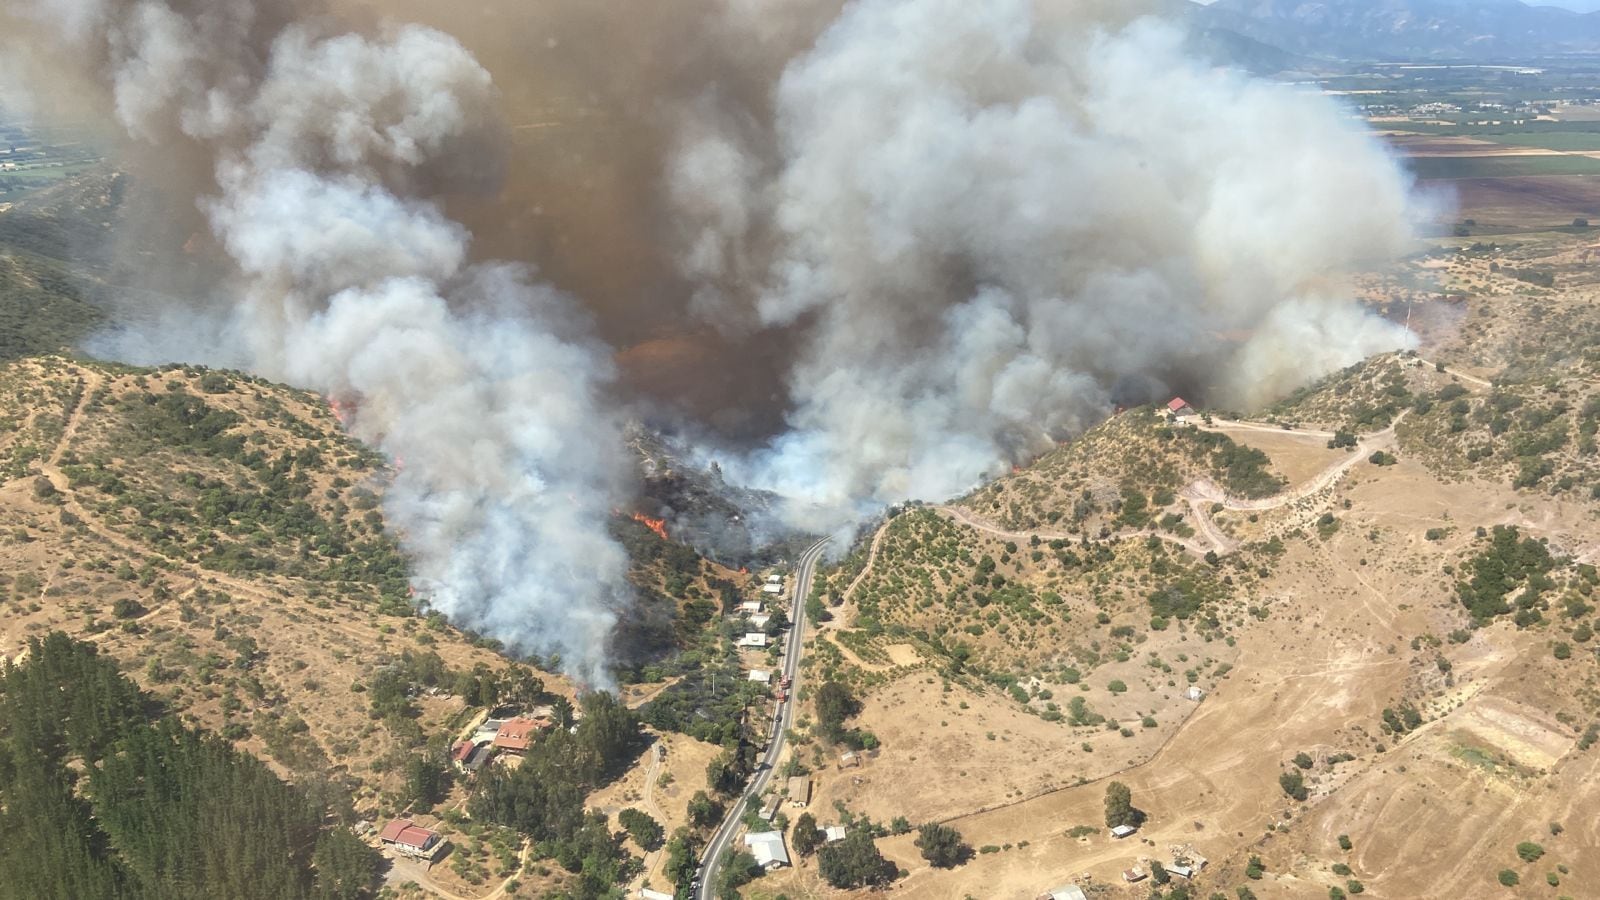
(768,849)
(1122,831)
(647,894)
(772,588)
(411,839)
(761,675)
(760,620)
(850,759)
(833,834)
(800,791)
(1180,409)
(753,639)
(774,578)
(769,809)
(1185,871)
(1134,875)
(750,606)
(1065,892)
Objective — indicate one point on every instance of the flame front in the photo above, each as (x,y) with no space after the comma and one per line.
(659,526)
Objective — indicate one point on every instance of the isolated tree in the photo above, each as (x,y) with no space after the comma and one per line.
(703,810)
(806,837)
(1158,872)
(1293,784)
(834,705)
(854,862)
(644,829)
(1119,805)
(942,846)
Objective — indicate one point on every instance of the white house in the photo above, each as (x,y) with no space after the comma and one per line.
(1065,892)
(772,588)
(753,639)
(647,894)
(833,834)
(761,675)
(750,606)
(1122,831)
(774,579)
(768,849)
(760,620)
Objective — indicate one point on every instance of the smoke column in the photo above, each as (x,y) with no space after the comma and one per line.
(475,376)
(894,246)
(986,223)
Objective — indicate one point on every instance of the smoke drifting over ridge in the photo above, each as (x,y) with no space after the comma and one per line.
(484,382)
(865,252)
(991,222)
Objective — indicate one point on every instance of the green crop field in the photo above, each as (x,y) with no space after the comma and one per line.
(1501,166)
(1550,140)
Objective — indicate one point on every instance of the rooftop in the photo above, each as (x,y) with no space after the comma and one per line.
(767,847)
(407,832)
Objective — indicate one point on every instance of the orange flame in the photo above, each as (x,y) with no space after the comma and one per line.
(341,410)
(659,526)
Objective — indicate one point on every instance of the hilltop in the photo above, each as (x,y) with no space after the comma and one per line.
(1344,642)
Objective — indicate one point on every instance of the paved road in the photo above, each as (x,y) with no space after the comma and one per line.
(791,667)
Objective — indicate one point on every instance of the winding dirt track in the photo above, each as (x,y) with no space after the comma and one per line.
(1201,496)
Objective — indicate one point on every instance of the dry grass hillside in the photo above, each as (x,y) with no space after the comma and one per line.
(1397,646)
(1123,473)
(223,540)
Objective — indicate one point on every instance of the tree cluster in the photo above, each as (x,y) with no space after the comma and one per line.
(155,809)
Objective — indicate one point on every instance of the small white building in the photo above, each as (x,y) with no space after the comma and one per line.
(750,606)
(1122,831)
(774,579)
(760,620)
(1194,693)
(772,588)
(1065,892)
(753,639)
(761,675)
(768,849)
(1185,871)
(647,894)
(833,834)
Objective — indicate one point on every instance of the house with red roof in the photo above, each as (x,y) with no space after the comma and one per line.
(1180,409)
(516,735)
(411,839)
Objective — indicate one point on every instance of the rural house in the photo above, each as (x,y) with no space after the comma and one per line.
(1122,831)
(753,639)
(1065,892)
(411,839)
(516,735)
(1180,409)
(768,849)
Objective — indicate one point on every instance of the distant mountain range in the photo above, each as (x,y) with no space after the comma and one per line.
(1468,30)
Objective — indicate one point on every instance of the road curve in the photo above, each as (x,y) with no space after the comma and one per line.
(720,841)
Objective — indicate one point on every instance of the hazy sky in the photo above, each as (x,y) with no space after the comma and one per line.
(1579,5)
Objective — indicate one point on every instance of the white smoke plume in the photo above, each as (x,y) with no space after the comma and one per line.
(989,222)
(974,226)
(477,380)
